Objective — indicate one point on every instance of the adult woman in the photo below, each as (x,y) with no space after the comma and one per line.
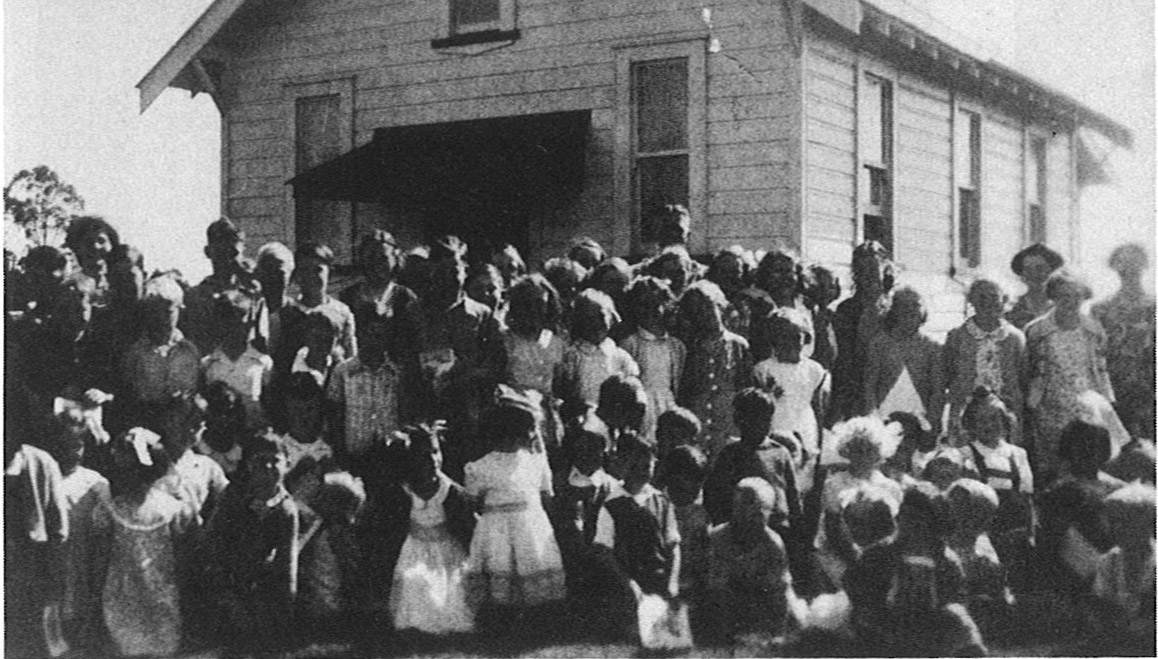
(1033,265)
(1066,358)
(858,319)
(1128,318)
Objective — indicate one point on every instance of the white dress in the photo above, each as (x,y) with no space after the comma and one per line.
(429,592)
(514,559)
(800,382)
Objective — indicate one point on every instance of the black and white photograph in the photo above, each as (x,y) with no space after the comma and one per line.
(374,329)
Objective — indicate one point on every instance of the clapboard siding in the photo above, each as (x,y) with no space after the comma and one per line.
(1002,196)
(564,60)
(923,210)
(830,152)
(1059,207)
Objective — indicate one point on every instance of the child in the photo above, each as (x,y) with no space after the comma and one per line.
(566,275)
(580,492)
(275,267)
(233,360)
(302,426)
(84,491)
(729,270)
(330,562)
(718,364)
(905,372)
(429,592)
(986,351)
(363,392)
(973,506)
(856,323)
(510,264)
(485,285)
(803,386)
(312,264)
(988,424)
(674,428)
(755,453)
(1124,577)
(534,350)
(225,249)
(141,598)
(225,425)
(162,363)
(821,289)
(623,406)
(686,468)
(197,481)
(514,559)
(592,357)
(659,355)
(253,551)
(916,448)
(749,585)
(637,536)
(906,593)
(862,444)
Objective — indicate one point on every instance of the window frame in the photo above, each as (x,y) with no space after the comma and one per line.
(628,235)
(975,180)
(291,93)
(1036,227)
(869,170)
(502,29)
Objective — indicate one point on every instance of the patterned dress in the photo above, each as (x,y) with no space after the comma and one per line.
(141,604)
(1129,324)
(717,368)
(661,365)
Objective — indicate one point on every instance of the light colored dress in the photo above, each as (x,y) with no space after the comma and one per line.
(531,364)
(84,491)
(429,591)
(140,599)
(800,382)
(514,559)
(661,366)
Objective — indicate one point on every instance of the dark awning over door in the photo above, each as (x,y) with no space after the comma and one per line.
(534,159)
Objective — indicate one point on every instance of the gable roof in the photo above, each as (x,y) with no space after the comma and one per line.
(179,67)
(182,68)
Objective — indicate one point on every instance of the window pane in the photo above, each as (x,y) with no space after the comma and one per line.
(873,129)
(967,149)
(1035,185)
(970,227)
(1037,232)
(880,229)
(660,91)
(470,12)
(659,181)
(318,126)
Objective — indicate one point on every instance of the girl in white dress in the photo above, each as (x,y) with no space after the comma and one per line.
(514,559)
(429,592)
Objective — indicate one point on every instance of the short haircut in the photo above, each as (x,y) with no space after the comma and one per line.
(373,243)
(975,492)
(706,289)
(44,258)
(764,268)
(978,284)
(902,296)
(648,292)
(872,249)
(760,489)
(564,273)
(983,399)
(1063,278)
(164,287)
(1131,256)
(686,461)
(679,420)
(1082,440)
(819,283)
(234,304)
(262,441)
(524,291)
(314,250)
(753,403)
(630,446)
(593,301)
(224,230)
(275,251)
(586,252)
(87,225)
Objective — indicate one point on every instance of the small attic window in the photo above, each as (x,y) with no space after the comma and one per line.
(477,21)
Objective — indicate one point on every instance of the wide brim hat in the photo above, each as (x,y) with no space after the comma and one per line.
(1052,258)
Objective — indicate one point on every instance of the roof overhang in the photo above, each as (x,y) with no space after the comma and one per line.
(535,159)
(882,33)
(185,65)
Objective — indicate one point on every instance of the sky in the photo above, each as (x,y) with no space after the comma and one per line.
(70,67)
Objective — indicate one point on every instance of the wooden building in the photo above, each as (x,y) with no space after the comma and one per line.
(816,123)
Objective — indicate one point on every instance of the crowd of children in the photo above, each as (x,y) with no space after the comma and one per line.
(459,443)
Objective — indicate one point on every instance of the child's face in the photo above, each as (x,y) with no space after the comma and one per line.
(427,465)
(637,469)
(868,522)
(988,426)
(303,418)
(781,275)
(274,276)
(446,280)
(378,264)
(1069,297)
(701,314)
(943,472)
(485,290)
(728,274)
(591,324)
(749,513)
(755,426)
(683,489)
(972,517)
(863,455)
(987,301)
(94,247)
(225,255)
(669,436)
(1035,270)
(266,470)
(651,316)
(71,441)
(866,273)
(182,431)
(588,457)
(159,317)
(788,344)
(313,276)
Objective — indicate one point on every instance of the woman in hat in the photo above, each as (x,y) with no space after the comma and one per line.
(1034,265)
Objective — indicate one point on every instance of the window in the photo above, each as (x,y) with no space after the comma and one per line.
(967,169)
(1035,188)
(875,143)
(659,91)
(661,137)
(320,129)
(477,21)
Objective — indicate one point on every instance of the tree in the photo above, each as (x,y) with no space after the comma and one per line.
(41,204)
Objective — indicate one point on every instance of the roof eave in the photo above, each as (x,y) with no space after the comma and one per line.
(173,69)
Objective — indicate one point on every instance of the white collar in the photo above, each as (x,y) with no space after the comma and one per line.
(596,479)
